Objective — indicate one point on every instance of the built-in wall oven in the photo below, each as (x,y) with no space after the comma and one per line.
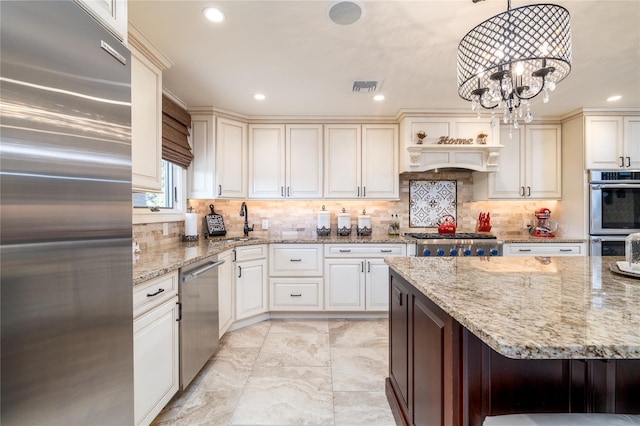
(614,210)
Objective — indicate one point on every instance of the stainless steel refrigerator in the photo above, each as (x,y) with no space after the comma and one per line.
(65,216)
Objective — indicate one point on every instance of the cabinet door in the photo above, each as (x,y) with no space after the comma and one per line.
(202,168)
(632,142)
(507,183)
(155,365)
(226,284)
(344,284)
(304,161)
(112,14)
(251,288)
(266,161)
(146,124)
(342,154)
(380,161)
(377,285)
(399,341)
(231,159)
(543,162)
(603,142)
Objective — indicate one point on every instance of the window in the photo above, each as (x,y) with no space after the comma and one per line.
(165,206)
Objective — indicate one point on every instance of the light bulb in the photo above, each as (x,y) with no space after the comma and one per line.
(519,68)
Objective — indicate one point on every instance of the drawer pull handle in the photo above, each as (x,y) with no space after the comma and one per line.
(160,290)
(524,249)
(296,294)
(345,250)
(386,251)
(566,249)
(295,260)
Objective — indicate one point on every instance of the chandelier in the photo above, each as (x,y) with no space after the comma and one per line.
(512,58)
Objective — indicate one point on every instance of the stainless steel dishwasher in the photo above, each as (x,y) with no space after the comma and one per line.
(199,316)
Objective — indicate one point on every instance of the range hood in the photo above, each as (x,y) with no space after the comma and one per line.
(476,157)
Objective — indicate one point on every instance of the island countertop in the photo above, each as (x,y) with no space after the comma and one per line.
(535,308)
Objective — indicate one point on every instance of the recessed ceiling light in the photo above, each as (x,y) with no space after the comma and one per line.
(614,98)
(378,98)
(259,97)
(213,14)
(345,12)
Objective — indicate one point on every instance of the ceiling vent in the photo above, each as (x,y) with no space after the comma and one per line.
(365,86)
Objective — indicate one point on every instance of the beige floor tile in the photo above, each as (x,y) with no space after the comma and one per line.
(359,369)
(286,396)
(295,350)
(362,408)
(348,333)
(248,337)
(299,326)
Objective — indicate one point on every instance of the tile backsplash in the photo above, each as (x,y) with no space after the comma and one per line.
(507,217)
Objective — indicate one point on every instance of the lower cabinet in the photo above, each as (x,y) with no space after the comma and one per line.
(295,282)
(155,346)
(226,285)
(356,277)
(251,281)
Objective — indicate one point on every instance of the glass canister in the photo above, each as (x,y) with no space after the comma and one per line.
(632,251)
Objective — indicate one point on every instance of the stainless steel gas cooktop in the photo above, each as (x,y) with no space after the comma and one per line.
(458,244)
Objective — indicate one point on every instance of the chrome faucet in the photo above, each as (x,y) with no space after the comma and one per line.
(245,213)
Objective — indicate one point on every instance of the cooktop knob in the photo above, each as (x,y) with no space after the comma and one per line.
(426,252)
(440,252)
(480,252)
(466,252)
(493,252)
(453,252)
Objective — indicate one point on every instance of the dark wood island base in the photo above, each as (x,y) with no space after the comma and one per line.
(442,374)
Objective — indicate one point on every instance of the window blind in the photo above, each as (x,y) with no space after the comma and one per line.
(175,132)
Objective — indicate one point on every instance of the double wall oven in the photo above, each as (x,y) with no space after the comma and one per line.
(614,199)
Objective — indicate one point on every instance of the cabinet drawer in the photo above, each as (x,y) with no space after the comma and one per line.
(152,293)
(545,249)
(296,294)
(365,250)
(295,260)
(251,252)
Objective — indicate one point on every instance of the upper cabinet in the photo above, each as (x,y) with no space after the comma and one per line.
(147,64)
(420,155)
(201,173)
(612,142)
(231,158)
(111,14)
(361,161)
(530,164)
(285,161)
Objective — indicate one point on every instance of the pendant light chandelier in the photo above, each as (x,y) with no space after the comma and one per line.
(513,57)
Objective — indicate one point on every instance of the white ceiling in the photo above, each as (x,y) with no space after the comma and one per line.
(304,63)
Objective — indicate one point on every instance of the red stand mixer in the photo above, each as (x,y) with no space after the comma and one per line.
(543,226)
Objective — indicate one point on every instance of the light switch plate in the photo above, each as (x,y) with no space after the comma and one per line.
(265,224)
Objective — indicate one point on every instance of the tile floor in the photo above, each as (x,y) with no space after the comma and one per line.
(291,372)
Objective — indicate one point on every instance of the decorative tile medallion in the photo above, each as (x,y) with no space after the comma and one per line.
(429,201)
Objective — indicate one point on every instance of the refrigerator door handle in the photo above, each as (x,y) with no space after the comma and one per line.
(113,52)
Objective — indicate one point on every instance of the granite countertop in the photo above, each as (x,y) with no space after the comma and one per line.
(157,261)
(536,308)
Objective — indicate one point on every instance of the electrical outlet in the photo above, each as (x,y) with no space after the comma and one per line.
(265,224)
(526,223)
(165,229)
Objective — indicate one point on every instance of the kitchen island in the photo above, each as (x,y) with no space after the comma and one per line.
(478,336)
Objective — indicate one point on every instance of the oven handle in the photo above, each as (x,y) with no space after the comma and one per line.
(616,186)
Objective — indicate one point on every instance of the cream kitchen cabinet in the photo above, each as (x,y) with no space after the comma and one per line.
(295,277)
(231,158)
(530,166)
(155,346)
(251,281)
(146,114)
(202,171)
(545,249)
(356,277)
(361,161)
(612,142)
(285,161)
(111,14)
(226,285)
